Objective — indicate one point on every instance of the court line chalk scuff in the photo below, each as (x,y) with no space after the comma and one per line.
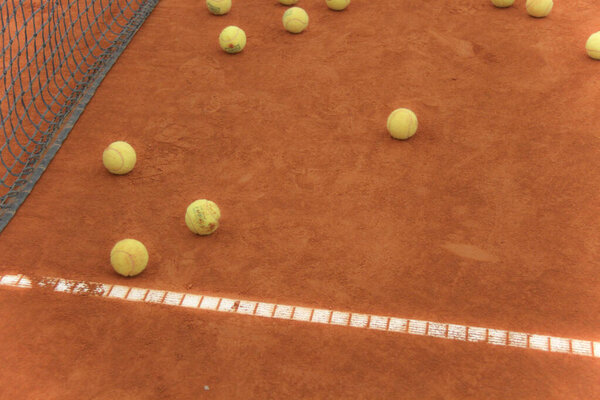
(440,330)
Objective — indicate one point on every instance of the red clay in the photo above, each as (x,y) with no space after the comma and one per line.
(68,347)
(488,216)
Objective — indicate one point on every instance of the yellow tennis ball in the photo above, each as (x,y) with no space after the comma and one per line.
(503,3)
(129,257)
(119,158)
(232,39)
(288,2)
(592,46)
(539,8)
(202,217)
(218,7)
(337,5)
(295,20)
(402,123)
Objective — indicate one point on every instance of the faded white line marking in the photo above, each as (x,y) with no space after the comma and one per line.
(340,318)
(497,337)
(457,332)
(191,301)
(137,294)
(582,347)
(517,339)
(359,320)
(118,292)
(265,310)
(398,325)
(476,334)
(173,299)
(321,316)
(539,342)
(283,312)
(380,323)
(442,330)
(417,327)
(302,314)
(560,345)
(155,296)
(246,307)
(209,303)
(437,329)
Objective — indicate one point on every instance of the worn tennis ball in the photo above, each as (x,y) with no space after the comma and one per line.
(232,39)
(218,7)
(503,3)
(295,20)
(337,5)
(539,8)
(592,46)
(129,257)
(119,158)
(402,123)
(288,2)
(202,217)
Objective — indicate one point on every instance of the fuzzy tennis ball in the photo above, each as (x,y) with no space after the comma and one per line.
(503,3)
(129,257)
(288,2)
(402,123)
(295,20)
(539,8)
(592,46)
(218,7)
(337,5)
(232,39)
(119,158)
(202,217)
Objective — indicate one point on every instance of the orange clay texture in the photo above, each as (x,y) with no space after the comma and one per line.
(488,216)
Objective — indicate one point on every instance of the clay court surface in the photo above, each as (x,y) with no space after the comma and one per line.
(487,217)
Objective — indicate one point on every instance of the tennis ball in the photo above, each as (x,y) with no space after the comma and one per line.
(503,3)
(288,2)
(402,123)
(129,257)
(295,20)
(218,7)
(119,158)
(539,8)
(337,5)
(202,217)
(232,39)
(592,46)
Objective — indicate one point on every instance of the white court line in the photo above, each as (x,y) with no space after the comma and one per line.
(441,330)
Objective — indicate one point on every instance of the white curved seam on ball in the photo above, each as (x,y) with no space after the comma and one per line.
(121,157)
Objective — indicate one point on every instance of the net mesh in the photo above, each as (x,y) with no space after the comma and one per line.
(54,54)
